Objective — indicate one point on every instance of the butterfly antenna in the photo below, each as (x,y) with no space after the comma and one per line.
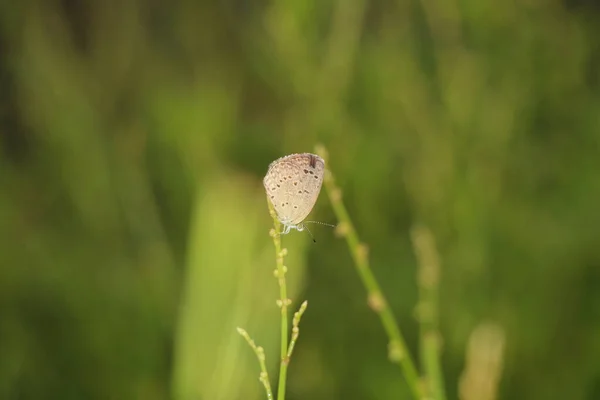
(320,223)
(310,233)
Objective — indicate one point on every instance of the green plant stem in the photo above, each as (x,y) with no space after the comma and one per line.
(260,354)
(397,347)
(427,311)
(283,303)
(430,344)
(296,328)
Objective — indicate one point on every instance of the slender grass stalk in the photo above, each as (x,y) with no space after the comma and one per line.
(484,361)
(283,302)
(296,328)
(398,351)
(427,310)
(260,354)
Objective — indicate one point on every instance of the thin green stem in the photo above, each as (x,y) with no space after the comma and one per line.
(427,311)
(296,328)
(283,302)
(260,354)
(398,351)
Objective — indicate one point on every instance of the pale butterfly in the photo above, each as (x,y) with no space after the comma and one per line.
(293,184)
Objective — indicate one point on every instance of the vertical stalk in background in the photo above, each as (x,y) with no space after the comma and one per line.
(283,301)
(483,363)
(427,310)
(398,351)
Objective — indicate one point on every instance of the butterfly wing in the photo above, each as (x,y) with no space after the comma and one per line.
(293,184)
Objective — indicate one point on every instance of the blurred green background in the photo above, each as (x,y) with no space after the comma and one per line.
(133,223)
